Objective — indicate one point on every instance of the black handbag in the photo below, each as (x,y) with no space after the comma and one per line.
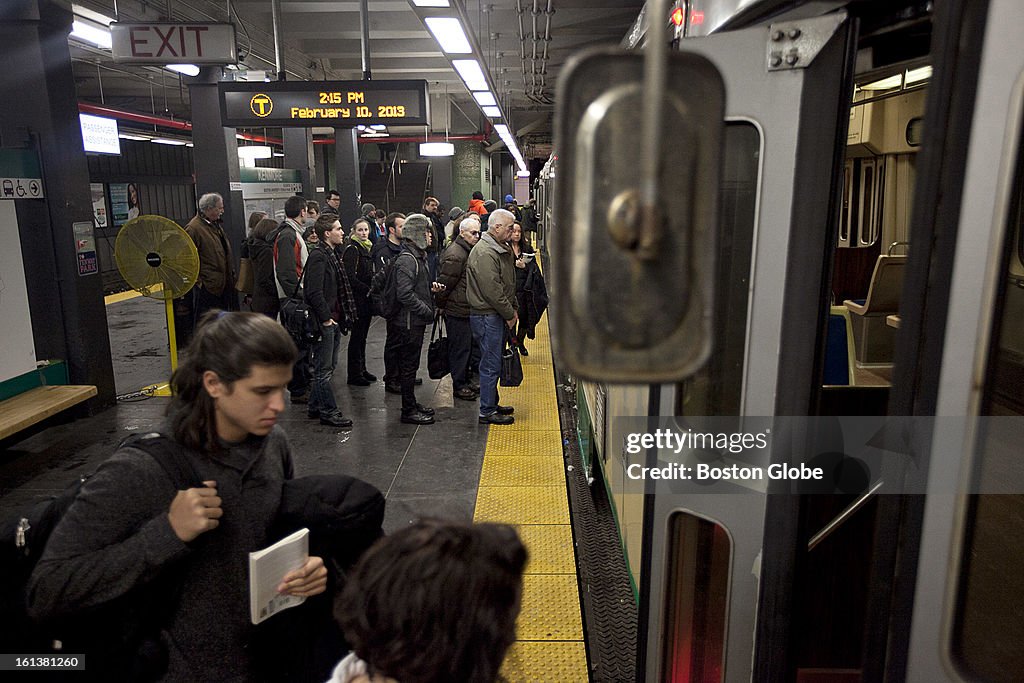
(437,352)
(511,363)
(298,318)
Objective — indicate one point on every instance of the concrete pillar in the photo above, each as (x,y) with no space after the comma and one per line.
(40,113)
(466,172)
(298,154)
(215,155)
(347,174)
(441,171)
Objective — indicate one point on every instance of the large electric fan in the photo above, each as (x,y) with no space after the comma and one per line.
(159,260)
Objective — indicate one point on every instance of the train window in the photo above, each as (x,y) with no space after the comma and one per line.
(988,628)
(717,388)
(697,598)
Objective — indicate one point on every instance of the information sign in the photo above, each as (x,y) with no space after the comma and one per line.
(171,43)
(324,103)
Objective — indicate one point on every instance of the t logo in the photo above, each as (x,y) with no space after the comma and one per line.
(261,105)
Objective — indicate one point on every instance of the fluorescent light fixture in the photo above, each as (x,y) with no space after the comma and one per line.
(502,130)
(485,99)
(360,127)
(523,174)
(437,149)
(448,32)
(127,136)
(189,144)
(99,134)
(379,126)
(884,84)
(918,75)
(431,3)
(239,136)
(470,72)
(184,69)
(281,154)
(169,141)
(91,33)
(493,112)
(375,134)
(255,152)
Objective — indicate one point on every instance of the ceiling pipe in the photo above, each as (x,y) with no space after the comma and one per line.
(275,8)
(364,25)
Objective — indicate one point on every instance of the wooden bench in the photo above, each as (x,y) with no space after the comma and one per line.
(24,410)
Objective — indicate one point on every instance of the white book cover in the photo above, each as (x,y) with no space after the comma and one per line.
(266,569)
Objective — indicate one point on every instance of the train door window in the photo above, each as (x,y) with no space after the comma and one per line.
(717,388)
(696,601)
(988,628)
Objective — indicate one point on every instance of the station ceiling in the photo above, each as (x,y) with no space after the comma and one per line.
(323,41)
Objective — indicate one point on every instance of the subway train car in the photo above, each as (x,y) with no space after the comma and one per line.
(864,258)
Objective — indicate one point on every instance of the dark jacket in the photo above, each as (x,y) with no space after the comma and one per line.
(453,276)
(359,268)
(261,256)
(117,536)
(491,279)
(382,253)
(532,296)
(216,269)
(412,284)
(290,254)
(324,288)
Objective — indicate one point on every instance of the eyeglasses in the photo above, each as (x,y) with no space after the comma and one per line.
(474,233)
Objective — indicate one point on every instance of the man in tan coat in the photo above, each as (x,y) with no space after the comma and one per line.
(215,287)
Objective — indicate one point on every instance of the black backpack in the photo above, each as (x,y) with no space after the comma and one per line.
(384,291)
(120,636)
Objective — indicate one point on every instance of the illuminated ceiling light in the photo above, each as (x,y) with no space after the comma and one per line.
(374,134)
(502,129)
(379,126)
(255,152)
(449,34)
(485,99)
(884,84)
(91,33)
(493,112)
(471,74)
(126,136)
(169,141)
(431,3)
(184,69)
(917,75)
(523,174)
(278,154)
(437,149)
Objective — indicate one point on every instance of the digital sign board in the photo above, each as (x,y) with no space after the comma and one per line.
(324,103)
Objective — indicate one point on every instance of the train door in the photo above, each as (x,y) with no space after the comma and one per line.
(707,581)
(969,592)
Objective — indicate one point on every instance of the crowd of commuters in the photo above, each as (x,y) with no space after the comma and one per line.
(474,268)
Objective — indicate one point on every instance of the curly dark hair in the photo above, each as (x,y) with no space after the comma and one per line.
(436,602)
(229,344)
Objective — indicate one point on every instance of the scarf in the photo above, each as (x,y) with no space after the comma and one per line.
(346,301)
(365,244)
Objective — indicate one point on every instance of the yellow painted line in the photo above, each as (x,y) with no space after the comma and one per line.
(522,482)
(125,296)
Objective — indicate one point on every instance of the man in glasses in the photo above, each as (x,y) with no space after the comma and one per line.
(452,300)
(491,292)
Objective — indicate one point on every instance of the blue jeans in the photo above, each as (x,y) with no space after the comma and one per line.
(490,331)
(325,358)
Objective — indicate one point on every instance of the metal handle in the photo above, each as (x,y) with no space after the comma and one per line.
(897,244)
(655,77)
(847,512)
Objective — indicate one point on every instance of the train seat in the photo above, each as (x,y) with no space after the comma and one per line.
(874,341)
(839,357)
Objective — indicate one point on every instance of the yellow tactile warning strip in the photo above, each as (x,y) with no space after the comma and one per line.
(523,483)
(124,296)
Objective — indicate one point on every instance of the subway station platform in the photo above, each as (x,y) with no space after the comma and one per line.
(455,468)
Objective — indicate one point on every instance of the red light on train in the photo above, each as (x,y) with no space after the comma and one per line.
(696,18)
(677,16)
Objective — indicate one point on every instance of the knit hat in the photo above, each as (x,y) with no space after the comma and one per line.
(455,213)
(509,199)
(367,208)
(414,229)
(490,205)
